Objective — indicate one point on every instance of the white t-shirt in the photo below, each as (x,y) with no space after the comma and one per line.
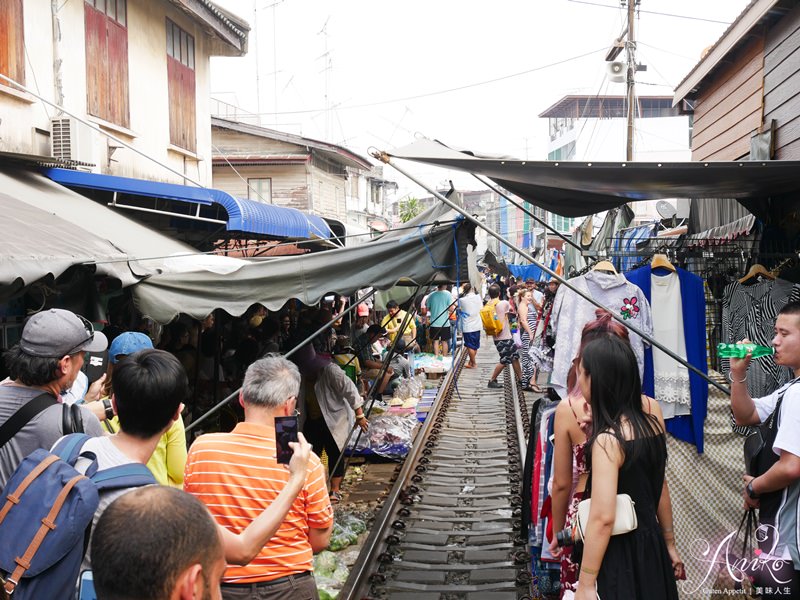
(786,440)
(471,306)
(77,391)
(788,437)
(538,297)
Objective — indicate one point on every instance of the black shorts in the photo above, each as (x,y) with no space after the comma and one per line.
(440,334)
(508,351)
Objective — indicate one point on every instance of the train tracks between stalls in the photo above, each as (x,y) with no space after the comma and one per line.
(450,527)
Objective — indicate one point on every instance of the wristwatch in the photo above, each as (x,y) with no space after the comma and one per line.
(750,491)
(109,409)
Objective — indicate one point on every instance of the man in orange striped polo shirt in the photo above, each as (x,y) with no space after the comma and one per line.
(236,475)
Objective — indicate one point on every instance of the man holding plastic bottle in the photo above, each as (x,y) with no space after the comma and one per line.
(775,490)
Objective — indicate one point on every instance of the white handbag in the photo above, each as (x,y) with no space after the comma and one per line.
(625,519)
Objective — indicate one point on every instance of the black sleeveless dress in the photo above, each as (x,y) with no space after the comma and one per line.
(636,565)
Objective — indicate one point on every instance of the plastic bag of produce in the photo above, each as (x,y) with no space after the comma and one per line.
(325,564)
(391,434)
(352,522)
(341,537)
(327,588)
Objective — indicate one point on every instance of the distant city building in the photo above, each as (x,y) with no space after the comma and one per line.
(586,128)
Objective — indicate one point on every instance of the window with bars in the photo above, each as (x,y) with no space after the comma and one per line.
(182,90)
(106,26)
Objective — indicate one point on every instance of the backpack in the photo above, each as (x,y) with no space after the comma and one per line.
(492,325)
(46,518)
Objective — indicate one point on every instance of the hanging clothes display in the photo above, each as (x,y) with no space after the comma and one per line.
(679,323)
(571,312)
(749,311)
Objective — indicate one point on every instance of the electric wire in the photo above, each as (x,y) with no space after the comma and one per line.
(239,175)
(653,12)
(440,92)
(645,44)
(222,251)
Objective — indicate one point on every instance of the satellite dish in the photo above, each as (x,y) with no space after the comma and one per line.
(666,210)
(616,71)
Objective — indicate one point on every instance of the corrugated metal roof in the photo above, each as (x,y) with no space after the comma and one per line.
(243,215)
(332,151)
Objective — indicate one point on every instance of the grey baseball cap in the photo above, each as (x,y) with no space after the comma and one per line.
(55,333)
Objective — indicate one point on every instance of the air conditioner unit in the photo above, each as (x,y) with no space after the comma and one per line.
(72,140)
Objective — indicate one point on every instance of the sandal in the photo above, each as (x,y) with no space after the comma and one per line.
(335,497)
(532,387)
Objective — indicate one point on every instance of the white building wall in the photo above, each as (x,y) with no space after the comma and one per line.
(22,114)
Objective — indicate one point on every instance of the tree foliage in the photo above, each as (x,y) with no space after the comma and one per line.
(409,209)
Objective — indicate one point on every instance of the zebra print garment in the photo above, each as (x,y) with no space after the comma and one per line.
(749,311)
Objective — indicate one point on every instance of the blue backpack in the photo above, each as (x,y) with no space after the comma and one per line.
(46,518)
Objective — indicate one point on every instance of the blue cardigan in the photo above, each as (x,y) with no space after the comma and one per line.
(688,428)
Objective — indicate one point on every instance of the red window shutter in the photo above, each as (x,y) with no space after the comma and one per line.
(12,49)
(106,67)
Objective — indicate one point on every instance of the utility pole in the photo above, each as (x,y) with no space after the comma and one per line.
(630,46)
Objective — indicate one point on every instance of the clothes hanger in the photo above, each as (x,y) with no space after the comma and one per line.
(661,260)
(755,271)
(604,265)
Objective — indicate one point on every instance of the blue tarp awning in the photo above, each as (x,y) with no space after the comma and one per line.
(245,216)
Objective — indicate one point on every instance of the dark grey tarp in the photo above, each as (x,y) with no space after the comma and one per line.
(415,255)
(35,243)
(576,189)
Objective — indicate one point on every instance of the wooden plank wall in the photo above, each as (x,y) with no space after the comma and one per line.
(289,183)
(12,49)
(782,84)
(729,106)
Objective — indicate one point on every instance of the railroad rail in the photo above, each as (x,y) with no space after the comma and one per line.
(450,527)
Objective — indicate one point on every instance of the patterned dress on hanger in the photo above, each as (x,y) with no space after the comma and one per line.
(750,311)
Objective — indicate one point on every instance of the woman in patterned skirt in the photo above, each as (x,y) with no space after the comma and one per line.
(528,313)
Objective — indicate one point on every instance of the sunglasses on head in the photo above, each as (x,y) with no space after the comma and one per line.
(89,332)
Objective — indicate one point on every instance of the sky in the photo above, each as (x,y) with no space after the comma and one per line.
(472,74)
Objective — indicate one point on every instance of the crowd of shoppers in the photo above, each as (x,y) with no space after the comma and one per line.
(259,522)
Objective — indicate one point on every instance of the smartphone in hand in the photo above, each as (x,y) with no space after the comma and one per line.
(285,432)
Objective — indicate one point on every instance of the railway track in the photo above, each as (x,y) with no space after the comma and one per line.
(450,526)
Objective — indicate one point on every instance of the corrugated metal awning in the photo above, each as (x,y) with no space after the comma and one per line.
(244,216)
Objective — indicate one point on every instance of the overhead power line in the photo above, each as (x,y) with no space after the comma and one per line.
(653,12)
(440,92)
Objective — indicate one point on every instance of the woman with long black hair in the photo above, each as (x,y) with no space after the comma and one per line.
(627,454)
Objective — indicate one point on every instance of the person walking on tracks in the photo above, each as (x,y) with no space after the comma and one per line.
(470,305)
(509,355)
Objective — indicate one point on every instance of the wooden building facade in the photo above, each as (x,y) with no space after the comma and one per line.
(748,83)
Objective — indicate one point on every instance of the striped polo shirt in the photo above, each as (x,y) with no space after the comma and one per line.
(237,476)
